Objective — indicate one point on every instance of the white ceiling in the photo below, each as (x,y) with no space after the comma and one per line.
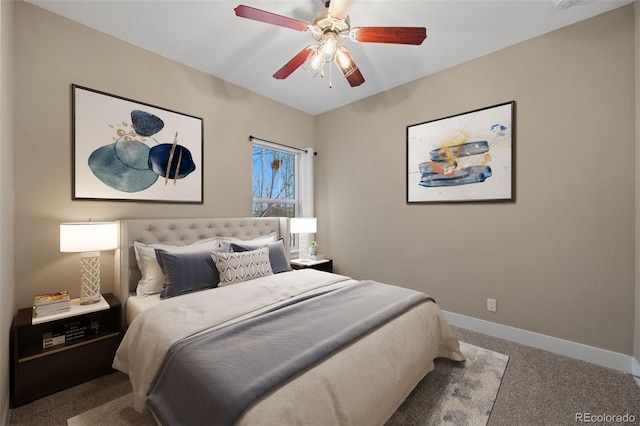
(207,36)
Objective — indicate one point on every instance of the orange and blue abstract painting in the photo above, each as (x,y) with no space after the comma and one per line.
(466,157)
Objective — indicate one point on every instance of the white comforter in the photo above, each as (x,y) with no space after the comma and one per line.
(344,388)
(152,333)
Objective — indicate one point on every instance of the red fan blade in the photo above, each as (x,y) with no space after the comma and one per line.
(348,67)
(270,18)
(355,78)
(339,9)
(395,35)
(293,64)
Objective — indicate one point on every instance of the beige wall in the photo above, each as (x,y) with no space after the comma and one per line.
(560,260)
(6,196)
(51,54)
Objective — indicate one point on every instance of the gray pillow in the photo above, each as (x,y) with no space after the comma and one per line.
(186,272)
(277,256)
(237,267)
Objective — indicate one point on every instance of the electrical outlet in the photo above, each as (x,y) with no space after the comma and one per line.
(491,305)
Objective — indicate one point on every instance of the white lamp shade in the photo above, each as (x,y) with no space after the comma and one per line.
(81,237)
(303,225)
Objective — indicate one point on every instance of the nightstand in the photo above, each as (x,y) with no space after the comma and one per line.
(320,264)
(37,372)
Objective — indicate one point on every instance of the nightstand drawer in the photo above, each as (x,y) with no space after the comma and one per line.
(42,376)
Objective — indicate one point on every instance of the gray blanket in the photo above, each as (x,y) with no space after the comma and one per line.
(212,378)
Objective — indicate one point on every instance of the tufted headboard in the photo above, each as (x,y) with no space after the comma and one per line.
(181,232)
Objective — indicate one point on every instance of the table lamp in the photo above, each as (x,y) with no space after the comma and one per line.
(303,226)
(89,238)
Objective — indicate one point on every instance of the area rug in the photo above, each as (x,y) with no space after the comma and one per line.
(455,393)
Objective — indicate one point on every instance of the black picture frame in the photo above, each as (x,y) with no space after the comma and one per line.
(467,157)
(126,150)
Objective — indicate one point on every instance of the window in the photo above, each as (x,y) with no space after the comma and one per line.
(275,176)
(282,182)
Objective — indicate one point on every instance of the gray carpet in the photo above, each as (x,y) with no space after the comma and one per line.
(542,388)
(538,388)
(118,412)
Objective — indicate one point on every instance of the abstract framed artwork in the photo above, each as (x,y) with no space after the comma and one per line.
(124,150)
(461,158)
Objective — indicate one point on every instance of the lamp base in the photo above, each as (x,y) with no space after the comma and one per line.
(90,278)
(304,247)
(90,301)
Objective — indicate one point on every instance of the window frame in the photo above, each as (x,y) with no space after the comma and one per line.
(299,194)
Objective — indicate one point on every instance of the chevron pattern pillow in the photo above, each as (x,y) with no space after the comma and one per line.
(242,266)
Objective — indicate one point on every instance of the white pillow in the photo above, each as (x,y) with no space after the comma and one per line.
(152,279)
(242,266)
(225,242)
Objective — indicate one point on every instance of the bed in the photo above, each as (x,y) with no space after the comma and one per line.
(359,376)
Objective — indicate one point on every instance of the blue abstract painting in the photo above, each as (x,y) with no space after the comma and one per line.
(466,157)
(127,150)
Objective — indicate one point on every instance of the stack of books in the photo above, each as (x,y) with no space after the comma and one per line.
(52,303)
(79,329)
(69,333)
(51,339)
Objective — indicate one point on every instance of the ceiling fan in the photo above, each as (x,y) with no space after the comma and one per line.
(329,27)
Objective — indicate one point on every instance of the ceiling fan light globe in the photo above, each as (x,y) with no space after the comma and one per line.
(345,62)
(313,64)
(328,46)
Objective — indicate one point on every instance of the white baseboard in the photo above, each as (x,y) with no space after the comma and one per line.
(636,370)
(602,357)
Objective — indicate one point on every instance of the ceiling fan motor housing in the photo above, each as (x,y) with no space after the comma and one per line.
(323,22)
